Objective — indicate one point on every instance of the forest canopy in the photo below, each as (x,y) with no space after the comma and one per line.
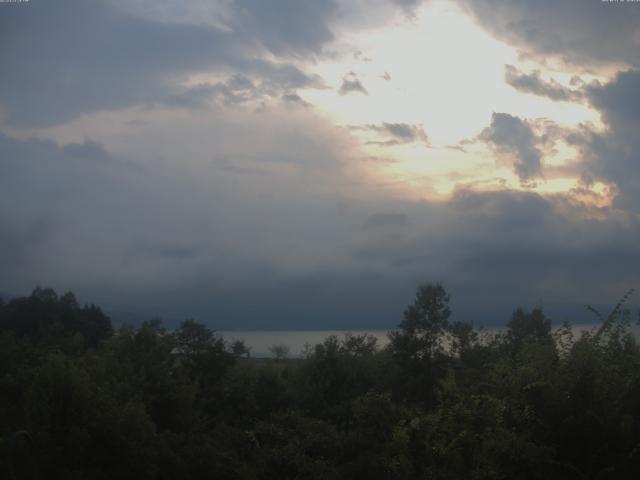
(443,400)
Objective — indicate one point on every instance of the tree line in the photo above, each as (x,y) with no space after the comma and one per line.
(443,400)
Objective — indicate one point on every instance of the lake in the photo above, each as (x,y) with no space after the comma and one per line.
(259,341)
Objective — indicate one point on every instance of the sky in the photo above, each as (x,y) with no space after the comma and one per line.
(306,164)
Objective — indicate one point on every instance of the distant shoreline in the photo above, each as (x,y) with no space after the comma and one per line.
(259,341)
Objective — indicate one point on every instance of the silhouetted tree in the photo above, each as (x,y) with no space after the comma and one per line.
(240,349)
(149,403)
(416,347)
(45,317)
(528,327)
(280,351)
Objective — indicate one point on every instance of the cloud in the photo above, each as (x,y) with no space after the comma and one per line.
(545,244)
(404,131)
(111,228)
(568,29)
(237,90)
(395,133)
(88,149)
(351,84)
(298,27)
(65,59)
(513,137)
(533,83)
(613,155)
(619,100)
(408,5)
(294,99)
(303,241)
(22,239)
(518,245)
(390,219)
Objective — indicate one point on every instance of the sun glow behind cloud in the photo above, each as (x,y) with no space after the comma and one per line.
(441,72)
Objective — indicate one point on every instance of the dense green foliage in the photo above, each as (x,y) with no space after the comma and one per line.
(441,401)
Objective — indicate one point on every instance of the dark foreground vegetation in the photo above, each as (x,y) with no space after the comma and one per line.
(442,401)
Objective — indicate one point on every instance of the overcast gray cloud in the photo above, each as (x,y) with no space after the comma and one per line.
(70,57)
(260,252)
(579,31)
(619,100)
(285,26)
(390,219)
(613,155)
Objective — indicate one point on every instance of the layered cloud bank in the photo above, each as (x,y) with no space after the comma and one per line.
(304,164)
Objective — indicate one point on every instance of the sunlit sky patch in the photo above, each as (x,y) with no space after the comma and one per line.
(440,71)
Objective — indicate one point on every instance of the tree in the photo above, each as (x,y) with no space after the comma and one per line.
(240,349)
(528,327)
(359,345)
(424,322)
(280,351)
(45,317)
(94,325)
(415,346)
(463,337)
(193,337)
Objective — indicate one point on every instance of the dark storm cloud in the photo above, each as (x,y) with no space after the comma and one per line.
(75,203)
(27,220)
(146,248)
(275,255)
(513,136)
(533,83)
(73,216)
(518,236)
(490,245)
(69,57)
(579,31)
(21,239)
(351,84)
